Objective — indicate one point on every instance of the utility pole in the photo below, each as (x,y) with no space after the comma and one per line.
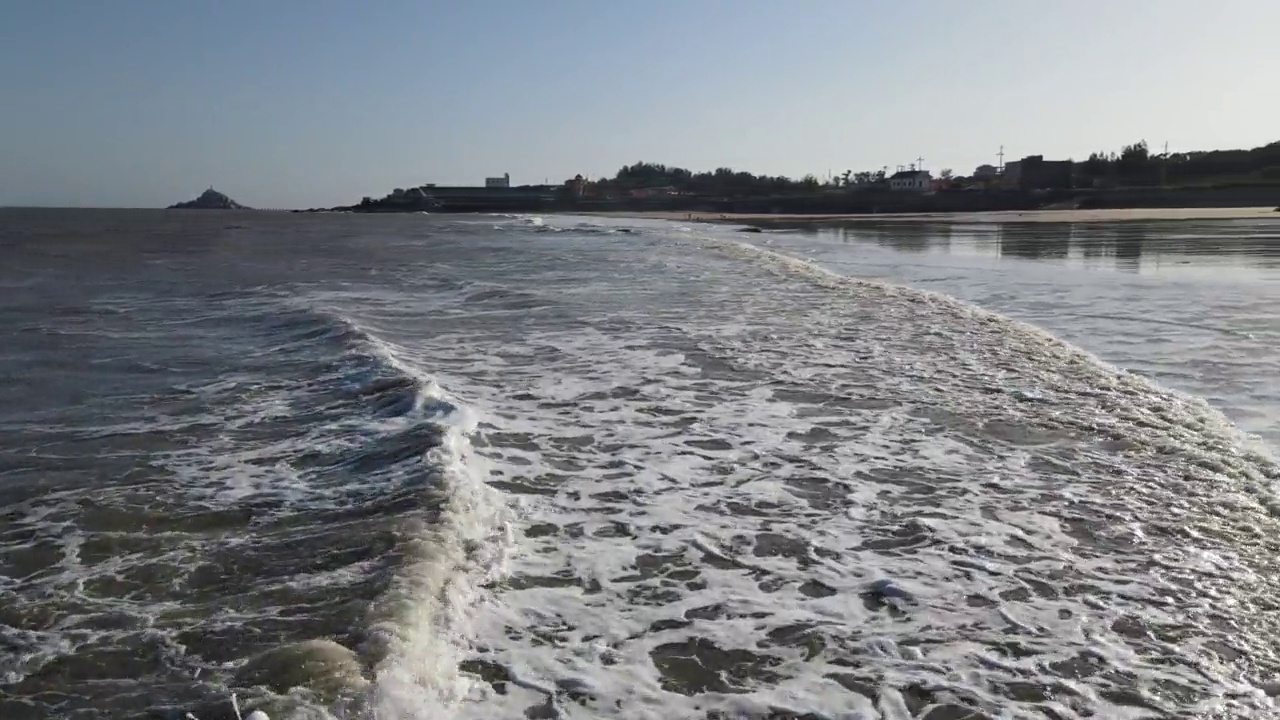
(920,163)
(1001,156)
(1164,165)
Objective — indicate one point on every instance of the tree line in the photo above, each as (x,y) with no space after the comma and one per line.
(1135,164)
(719,182)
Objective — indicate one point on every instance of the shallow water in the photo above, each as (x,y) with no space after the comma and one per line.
(418,467)
(1193,304)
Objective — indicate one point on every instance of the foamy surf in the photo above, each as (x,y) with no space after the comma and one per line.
(816,514)
(360,441)
(575,472)
(417,632)
(450,561)
(235,706)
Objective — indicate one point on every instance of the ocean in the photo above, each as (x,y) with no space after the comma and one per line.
(410,466)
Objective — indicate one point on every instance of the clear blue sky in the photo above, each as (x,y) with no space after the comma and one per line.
(287,104)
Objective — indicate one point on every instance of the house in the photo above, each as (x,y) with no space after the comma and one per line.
(576,186)
(1035,173)
(498,182)
(986,173)
(911,181)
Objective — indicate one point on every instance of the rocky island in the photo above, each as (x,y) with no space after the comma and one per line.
(210,200)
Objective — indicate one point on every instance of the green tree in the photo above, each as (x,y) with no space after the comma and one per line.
(1097,166)
(1134,162)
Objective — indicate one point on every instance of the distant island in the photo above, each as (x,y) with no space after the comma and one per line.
(210,200)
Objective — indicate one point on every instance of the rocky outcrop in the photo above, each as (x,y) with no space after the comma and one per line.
(210,200)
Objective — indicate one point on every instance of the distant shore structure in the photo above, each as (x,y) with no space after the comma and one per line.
(498,182)
(911,180)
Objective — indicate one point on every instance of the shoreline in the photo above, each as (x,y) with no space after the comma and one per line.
(1002,216)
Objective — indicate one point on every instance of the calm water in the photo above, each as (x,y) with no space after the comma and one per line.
(486,467)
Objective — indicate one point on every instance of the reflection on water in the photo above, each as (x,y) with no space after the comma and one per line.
(1131,246)
(1193,304)
(1052,242)
(918,237)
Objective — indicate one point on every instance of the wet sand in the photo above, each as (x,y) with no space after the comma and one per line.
(1045,216)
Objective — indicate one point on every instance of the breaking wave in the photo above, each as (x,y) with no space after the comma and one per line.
(340,497)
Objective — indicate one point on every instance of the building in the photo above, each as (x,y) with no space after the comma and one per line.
(986,172)
(498,182)
(911,181)
(1035,173)
(576,186)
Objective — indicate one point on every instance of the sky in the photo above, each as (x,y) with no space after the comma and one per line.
(283,104)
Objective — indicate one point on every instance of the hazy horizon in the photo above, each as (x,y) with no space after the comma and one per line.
(317,104)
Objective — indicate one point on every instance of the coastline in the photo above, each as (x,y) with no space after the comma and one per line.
(1003,216)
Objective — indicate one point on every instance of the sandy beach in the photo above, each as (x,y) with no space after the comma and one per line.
(1028,216)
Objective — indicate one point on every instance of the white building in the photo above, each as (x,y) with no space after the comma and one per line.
(911,181)
(498,182)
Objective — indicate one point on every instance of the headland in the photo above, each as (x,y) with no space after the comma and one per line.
(209,200)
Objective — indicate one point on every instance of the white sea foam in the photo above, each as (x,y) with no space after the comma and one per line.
(675,475)
(857,500)
(444,555)
(425,630)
